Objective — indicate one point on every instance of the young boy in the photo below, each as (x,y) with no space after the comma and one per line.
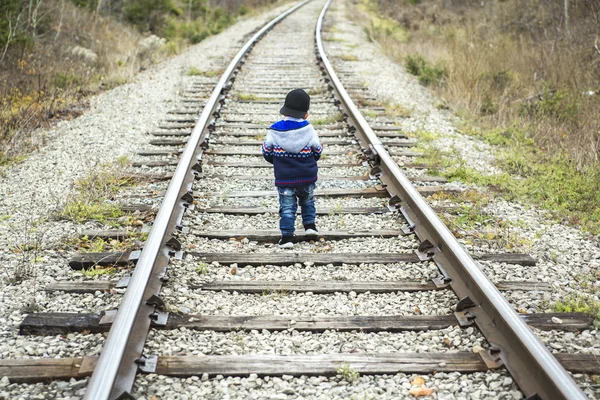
(293,147)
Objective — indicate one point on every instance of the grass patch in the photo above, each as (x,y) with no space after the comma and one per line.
(369,113)
(529,175)
(428,75)
(89,200)
(327,120)
(398,110)
(347,372)
(509,74)
(193,71)
(246,96)
(202,268)
(552,182)
(211,73)
(348,57)
(316,91)
(579,303)
(98,271)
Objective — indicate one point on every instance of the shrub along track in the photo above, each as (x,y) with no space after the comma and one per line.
(383,263)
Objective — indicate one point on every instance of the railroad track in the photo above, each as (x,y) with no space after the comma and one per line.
(384,264)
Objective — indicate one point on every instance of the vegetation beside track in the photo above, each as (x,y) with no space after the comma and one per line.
(528,84)
(54,54)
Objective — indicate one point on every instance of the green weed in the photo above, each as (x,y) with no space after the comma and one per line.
(81,209)
(89,198)
(246,96)
(348,57)
(347,372)
(193,71)
(398,110)
(327,120)
(579,303)
(427,74)
(98,271)
(202,268)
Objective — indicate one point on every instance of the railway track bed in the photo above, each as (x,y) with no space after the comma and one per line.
(382,304)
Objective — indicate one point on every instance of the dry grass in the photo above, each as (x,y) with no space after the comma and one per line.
(67,62)
(507,63)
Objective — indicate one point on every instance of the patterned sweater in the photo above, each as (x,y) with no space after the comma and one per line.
(293,147)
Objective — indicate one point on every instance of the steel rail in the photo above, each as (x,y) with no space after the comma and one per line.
(529,362)
(105,373)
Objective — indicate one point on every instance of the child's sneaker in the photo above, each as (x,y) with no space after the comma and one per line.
(286,242)
(311,229)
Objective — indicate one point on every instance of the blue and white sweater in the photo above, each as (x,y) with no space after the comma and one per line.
(293,147)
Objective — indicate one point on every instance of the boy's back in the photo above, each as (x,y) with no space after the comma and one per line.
(293,147)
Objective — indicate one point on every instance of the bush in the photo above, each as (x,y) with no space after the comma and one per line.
(428,75)
(558,105)
(150,15)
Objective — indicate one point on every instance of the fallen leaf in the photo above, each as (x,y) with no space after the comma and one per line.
(418,381)
(447,342)
(421,391)
(233,271)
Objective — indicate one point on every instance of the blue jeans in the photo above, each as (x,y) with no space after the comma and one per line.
(289,199)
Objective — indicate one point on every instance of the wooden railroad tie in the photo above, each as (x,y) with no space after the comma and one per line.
(317,287)
(165,176)
(51,324)
(376,191)
(47,369)
(90,260)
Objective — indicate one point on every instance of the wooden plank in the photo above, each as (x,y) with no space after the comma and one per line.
(135,207)
(558,321)
(317,287)
(108,234)
(169,152)
(265,126)
(324,287)
(271,177)
(580,363)
(90,260)
(266,210)
(272,236)
(264,164)
(48,369)
(524,286)
(50,324)
(168,142)
(322,134)
(43,369)
(330,142)
(509,258)
(219,323)
(366,192)
(80,287)
(176,126)
(171,133)
(258,152)
(342,258)
(322,178)
(323,365)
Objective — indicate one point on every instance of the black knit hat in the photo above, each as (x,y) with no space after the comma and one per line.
(297,103)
